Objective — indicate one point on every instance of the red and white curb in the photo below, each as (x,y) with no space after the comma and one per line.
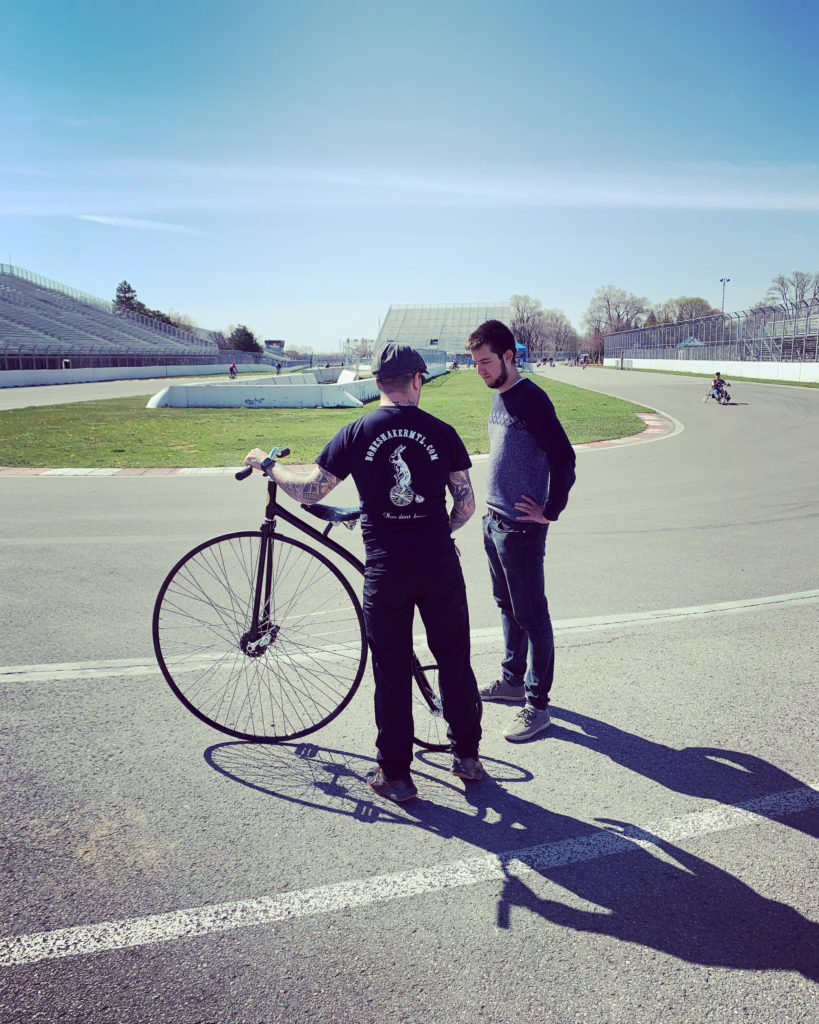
(658,426)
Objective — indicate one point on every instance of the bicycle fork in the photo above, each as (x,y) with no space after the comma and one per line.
(263,631)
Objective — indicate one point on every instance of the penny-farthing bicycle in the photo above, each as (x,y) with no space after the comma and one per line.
(262,636)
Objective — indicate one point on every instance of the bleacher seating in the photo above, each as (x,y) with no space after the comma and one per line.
(439,331)
(45,325)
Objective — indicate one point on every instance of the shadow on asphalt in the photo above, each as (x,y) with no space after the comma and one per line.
(661,897)
(711,773)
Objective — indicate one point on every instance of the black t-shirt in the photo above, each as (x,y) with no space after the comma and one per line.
(401,458)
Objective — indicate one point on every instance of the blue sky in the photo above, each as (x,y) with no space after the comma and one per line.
(298,167)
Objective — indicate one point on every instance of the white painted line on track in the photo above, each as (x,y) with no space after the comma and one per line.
(123,667)
(344,896)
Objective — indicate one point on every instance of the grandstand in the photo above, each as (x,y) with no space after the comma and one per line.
(439,332)
(45,325)
(766,334)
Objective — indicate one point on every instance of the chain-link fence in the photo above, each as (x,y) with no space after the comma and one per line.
(767,334)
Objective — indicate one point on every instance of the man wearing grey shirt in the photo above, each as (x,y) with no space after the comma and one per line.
(531,470)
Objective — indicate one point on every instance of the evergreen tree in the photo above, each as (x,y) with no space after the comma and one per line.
(243,339)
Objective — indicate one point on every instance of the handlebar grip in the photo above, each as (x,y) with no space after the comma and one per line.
(243,474)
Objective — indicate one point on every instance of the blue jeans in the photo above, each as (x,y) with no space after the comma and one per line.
(516,552)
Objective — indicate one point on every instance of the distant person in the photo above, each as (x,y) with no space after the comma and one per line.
(278,368)
(718,385)
(232,371)
(403,461)
(530,473)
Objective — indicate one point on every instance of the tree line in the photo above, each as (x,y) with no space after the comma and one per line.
(240,338)
(548,332)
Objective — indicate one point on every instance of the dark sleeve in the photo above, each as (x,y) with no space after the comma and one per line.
(541,421)
(460,456)
(336,455)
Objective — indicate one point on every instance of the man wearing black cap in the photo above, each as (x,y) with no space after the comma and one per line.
(403,461)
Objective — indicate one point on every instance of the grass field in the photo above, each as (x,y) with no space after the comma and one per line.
(122,433)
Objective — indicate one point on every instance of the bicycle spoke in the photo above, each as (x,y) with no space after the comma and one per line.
(295,673)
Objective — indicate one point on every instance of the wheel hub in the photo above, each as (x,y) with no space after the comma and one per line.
(254,646)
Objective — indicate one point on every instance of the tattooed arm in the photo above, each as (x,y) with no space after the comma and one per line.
(463,497)
(303,483)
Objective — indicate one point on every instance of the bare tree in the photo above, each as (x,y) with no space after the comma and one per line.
(790,290)
(613,309)
(528,323)
(559,334)
(690,307)
(596,346)
(183,321)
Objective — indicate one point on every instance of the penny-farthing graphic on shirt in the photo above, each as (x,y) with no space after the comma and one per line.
(402,494)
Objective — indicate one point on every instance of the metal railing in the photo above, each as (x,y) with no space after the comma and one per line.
(764,334)
(111,308)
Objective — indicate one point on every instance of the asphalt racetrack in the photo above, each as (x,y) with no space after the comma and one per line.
(652,857)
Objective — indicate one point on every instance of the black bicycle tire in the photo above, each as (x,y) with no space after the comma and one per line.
(358,645)
(432,701)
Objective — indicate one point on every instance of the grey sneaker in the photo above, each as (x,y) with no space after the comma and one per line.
(469,768)
(397,790)
(499,690)
(528,722)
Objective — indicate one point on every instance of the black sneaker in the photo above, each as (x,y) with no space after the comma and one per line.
(397,790)
(469,768)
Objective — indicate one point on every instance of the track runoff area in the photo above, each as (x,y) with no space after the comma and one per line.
(394,887)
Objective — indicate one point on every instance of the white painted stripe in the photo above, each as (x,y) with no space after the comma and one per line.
(123,667)
(80,472)
(344,896)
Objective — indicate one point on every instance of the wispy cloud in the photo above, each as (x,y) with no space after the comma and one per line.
(139,190)
(143,225)
(717,186)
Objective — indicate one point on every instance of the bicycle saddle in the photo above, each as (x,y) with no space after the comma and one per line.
(333,515)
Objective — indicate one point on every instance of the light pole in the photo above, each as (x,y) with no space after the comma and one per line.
(723,281)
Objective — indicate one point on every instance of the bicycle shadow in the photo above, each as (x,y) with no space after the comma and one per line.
(729,777)
(642,888)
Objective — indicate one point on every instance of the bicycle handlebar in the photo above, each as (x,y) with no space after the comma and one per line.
(275,453)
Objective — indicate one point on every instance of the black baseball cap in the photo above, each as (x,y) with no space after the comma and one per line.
(394,359)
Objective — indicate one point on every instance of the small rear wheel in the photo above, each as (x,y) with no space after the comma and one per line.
(427,709)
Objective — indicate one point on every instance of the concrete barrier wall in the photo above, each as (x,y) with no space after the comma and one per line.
(263,396)
(303,391)
(30,378)
(807,373)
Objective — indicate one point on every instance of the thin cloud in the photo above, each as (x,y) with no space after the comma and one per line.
(717,186)
(144,225)
(178,190)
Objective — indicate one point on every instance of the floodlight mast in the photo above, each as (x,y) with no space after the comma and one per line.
(723,281)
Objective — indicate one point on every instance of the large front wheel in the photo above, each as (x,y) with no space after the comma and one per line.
(272,666)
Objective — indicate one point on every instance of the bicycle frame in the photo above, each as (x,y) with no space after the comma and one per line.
(201,609)
(322,538)
(274,509)
(259,633)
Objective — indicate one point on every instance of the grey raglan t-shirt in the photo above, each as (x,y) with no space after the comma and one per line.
(529,452)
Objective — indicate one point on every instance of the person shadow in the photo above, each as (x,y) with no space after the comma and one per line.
(729,777)
(643,888)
